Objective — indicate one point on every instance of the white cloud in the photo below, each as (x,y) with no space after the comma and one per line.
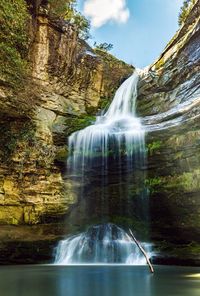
(102,11)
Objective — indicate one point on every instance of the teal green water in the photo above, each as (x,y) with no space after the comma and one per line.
(98,281)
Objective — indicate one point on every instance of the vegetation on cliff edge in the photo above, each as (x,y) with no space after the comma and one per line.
(185,10)
(66,9)
(13,41)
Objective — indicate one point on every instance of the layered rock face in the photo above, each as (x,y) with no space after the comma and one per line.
(67,83)
(169,101)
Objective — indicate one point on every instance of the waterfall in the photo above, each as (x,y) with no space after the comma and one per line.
(106,243)
(118,127)
(117,138)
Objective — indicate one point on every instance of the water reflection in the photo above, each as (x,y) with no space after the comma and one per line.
(107,281)
(97,280)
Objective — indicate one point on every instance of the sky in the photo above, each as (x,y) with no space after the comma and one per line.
(138,29)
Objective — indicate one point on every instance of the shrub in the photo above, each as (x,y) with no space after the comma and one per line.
(13,40)
(104,46)
(185,10)
(62,8)
(13,67)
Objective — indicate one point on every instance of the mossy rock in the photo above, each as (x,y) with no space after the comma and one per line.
(61,154)
(74,124)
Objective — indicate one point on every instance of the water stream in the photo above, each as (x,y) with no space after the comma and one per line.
(115,142)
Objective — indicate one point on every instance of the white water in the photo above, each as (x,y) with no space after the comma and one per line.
(117,133)
(118,127)
(101,244)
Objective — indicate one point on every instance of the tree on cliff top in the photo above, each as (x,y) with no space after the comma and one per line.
(66,9)
(185,9)
(61,8)
(104,46)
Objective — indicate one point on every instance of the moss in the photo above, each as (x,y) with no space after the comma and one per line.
(160,63)
(135,224)
(152,147)
(153,184)
(187,182)
(61,154)
(183,250)
(179,155)
(78,123)
(104,103)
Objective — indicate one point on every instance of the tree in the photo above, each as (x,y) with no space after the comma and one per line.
(62,8)
(185,9)
(104,46)
(66,9)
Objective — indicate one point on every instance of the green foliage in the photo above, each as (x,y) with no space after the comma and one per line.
(66,10)
(185,10)
(82,25)
(13,40)
(61,8)
(153,146)
(78,123)
(152,184)
(104,46)
(14,67)
(136,224)
(189,181)
(192,248)
(104,104)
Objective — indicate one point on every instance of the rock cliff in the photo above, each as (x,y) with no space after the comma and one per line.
(169,101)
(67,83)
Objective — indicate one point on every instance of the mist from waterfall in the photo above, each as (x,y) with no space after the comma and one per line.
(115,142)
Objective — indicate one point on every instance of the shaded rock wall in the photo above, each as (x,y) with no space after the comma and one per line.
(169,100)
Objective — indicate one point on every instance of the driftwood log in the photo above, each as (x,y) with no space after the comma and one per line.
(143,251)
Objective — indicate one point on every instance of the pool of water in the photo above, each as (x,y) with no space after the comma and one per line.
(98,280)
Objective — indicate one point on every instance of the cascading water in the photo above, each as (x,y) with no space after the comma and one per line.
(106,243)
(118,128)
(117,139)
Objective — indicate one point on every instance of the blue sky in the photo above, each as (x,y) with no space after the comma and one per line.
(138,29)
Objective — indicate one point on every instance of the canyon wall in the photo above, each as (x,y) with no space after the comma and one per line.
(67,83)
(169,102)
